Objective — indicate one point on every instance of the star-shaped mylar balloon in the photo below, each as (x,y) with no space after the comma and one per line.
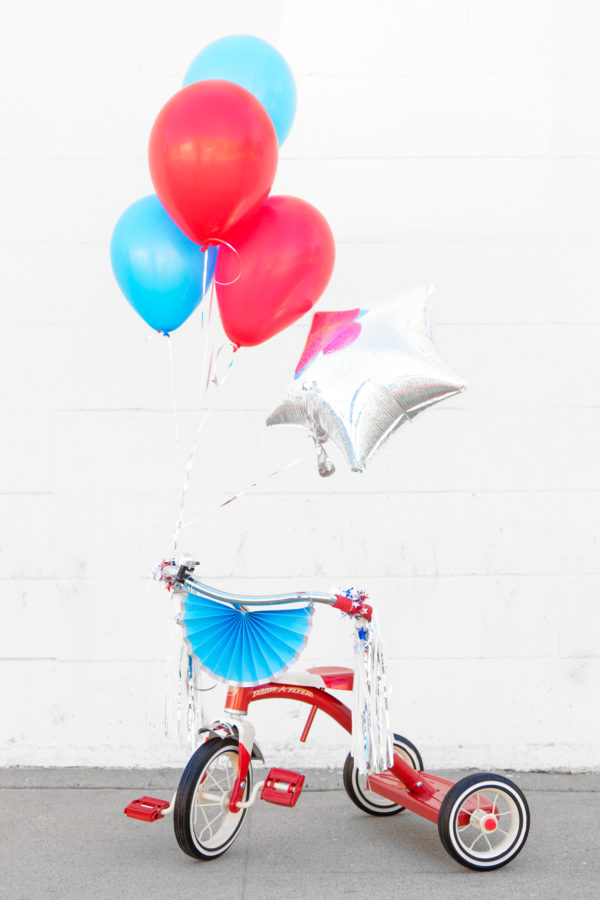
(363,373)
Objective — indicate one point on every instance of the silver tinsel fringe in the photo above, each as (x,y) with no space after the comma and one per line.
(190,712)
(372,744)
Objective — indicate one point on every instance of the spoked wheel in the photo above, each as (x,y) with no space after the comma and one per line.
(204,826)
(484,821)
(356,784)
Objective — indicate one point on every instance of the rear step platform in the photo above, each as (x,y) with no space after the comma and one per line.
(147,809)
(282,787)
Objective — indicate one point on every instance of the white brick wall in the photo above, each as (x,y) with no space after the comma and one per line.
(456,141)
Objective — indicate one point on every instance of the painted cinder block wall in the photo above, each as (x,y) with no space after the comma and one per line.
(453,141)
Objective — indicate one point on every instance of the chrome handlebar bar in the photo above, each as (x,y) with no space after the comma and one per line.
(204,590)
(179,575)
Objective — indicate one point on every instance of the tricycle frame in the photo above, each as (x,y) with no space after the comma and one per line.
(420,792)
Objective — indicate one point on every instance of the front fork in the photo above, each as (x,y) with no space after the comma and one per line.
(246,734)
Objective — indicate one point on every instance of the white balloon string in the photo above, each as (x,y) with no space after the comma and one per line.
(204,276)
(188,472)
(208,349)
(218,379)
(239,275)
(205,396)
(246,490)
(205,322)
(173,394)
(190,693)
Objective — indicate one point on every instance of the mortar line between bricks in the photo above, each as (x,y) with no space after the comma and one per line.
(317,790)
(143,579)
(358,241)
(255,411)
(353,242)
(526,323)
(441,323)
(363,158)
(283,493)
(390,656)
(59,578)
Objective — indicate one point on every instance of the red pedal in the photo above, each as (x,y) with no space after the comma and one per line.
(282,787)
(148,809)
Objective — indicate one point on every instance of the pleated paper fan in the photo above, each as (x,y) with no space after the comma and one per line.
(244,647)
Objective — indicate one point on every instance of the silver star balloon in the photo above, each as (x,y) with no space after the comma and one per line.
(363,373)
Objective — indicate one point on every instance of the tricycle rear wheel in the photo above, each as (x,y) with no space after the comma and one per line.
(484,821)
(356,784)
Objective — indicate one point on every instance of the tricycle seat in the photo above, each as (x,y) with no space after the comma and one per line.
(337,678)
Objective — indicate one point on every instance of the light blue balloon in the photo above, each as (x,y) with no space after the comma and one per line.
(158,268)
(256,66)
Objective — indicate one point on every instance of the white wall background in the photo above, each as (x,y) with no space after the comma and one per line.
(456,141)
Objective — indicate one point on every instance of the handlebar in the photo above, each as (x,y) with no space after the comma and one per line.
(178,575)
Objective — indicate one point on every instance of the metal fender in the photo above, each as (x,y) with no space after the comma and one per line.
(224,730)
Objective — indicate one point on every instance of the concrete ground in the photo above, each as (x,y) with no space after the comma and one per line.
(64,835)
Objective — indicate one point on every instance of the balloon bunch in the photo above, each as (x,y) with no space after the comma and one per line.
(213,155)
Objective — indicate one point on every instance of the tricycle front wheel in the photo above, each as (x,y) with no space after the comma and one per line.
(204,826)
(367,800)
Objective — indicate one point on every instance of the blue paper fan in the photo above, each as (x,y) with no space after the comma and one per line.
(244,647)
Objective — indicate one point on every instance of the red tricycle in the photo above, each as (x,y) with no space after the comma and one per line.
(482,819)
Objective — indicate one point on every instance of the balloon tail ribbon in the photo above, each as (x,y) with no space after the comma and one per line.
(246,490)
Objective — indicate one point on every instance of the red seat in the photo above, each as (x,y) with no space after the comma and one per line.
(336,677)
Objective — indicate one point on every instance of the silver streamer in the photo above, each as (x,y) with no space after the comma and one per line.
(191,712)
(190,689)
(372,743)
(363,373)
(246,490)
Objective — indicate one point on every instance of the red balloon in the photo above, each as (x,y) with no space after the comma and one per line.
(286,256)
(213,156)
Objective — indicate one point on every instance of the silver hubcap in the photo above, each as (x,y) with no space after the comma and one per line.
(488,822)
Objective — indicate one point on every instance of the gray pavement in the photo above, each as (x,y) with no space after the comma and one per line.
(64,835)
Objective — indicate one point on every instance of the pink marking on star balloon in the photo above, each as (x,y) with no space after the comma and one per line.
(343,338)
(329,332)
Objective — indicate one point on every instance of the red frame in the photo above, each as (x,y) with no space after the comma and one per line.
(420,792)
